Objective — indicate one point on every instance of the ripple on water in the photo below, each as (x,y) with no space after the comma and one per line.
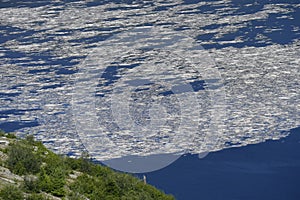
(255,48)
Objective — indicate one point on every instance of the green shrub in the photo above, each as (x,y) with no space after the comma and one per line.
(73,164)
(31,184)
(30,139)
(35,196)
(74,196)
(11,135)
(10,192)
(8,135)
(116,185)
(53,183)
(2,133)
(21,159)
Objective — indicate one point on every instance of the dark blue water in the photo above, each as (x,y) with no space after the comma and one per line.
(262,171)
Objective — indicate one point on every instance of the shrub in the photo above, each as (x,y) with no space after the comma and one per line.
(8,135)
(30,139)
(52,183)
(11,193)
(35,196)
(73,164)
(31,184)
(11,135)
(2,133)
(21,160)
(74,196)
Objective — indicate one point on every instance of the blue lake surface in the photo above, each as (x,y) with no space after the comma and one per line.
(268,170)
(255,45)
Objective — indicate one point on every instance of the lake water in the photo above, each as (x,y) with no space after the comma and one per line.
(133,79)
(268,170)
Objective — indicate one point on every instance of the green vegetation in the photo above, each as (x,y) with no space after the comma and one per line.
(21,159)
(46,175)
(7,135)
(11,192)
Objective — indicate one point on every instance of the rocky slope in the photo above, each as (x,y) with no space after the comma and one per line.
(30,171)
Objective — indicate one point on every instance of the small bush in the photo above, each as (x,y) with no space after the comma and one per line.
(21,160)
(2,133)
(74,196)
(35,196)
(52,183)
(8,135)
(11,193)
(31,184)
(30,139)
(11,135)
